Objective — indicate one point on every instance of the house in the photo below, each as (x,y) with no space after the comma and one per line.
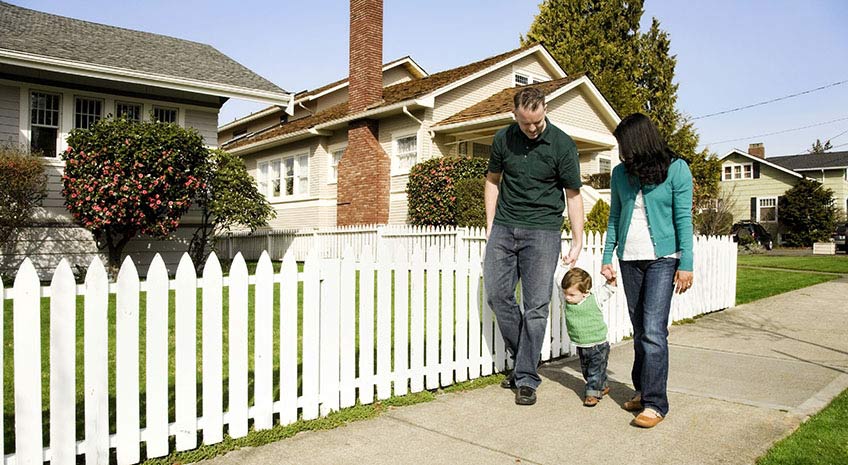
(59,73)
(344,155)
(755,183)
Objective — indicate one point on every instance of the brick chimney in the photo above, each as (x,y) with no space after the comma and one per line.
(365,168)
(757,150)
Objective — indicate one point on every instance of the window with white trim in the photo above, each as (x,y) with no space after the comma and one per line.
(523,78)
(87,111)
(604,165)
(44,122)
(164,114)
(737,171)
(405,150)
(767,209)
(130,111)
(335,158)
(284,177)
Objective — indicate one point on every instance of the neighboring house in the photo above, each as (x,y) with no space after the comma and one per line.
(415,117)
(58,74)
(757,183)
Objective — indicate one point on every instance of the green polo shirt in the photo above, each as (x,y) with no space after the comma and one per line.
(534,174)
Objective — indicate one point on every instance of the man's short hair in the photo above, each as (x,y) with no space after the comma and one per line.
(529,98)
(577,277)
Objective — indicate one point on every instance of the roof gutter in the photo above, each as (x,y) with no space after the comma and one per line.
(420,123)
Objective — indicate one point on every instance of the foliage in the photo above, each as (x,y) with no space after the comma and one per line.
(714,217)
(632,69)
(23,187)
(566,226)
(230,199)
(598,180)
(706,176)
(598,217)
(431,189)
(808,213)
(818,147)
(124,178)
(470,205)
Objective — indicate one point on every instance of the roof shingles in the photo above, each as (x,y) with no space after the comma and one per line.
(812,161)
(44,34)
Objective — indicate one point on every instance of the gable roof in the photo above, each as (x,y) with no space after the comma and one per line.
(56,43)
(767,162)
(813,161)
(408,92)
(406,61)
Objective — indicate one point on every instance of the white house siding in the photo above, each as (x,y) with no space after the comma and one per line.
(206,123)
(326,189)
(310,213)
(398,209)
(10,109)
(573,108)
(533,66)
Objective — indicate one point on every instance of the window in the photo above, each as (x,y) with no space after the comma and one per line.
(734,172)
(481,150)
(284,177)
(335,157)
(604,165)
(130,111)
(165,115)
(463,148)
(767,209)
(44,123)
(521,79)
(87,111)
(406,153)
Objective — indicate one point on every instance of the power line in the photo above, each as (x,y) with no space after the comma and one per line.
(840,134)
(778,132)
(771,101)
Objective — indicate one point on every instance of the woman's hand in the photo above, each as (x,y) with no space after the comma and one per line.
(608,272)
(682,281)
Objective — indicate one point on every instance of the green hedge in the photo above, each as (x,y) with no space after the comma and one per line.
(470,205)
(596,220)
(431,190)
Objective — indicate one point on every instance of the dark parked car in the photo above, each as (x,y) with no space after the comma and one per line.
(839,237)
(746,232)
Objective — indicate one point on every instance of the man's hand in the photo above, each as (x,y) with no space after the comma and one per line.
(570,259)
(682,281)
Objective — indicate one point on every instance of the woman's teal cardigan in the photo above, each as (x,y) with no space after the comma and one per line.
(669,210)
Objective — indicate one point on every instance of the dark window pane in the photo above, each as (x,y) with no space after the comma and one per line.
(44,140)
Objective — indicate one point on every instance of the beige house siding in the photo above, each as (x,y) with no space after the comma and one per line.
(532,66)
(206,123)
(468,94)
(304,214)
(398,209)
(10,109)
(396,75)
(771,183)
(573,108)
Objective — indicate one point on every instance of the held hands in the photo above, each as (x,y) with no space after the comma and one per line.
(608,272)
(682,281)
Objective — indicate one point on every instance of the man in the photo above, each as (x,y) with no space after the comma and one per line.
(532,162)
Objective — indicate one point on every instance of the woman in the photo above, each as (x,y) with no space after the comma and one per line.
(650,226)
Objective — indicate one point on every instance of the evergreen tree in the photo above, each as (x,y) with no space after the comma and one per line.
(808,213)
(818,147)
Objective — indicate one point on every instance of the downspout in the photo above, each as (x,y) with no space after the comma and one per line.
(421,124)
(300,104)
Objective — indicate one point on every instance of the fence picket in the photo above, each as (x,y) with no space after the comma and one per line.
(446,339)
(213,370)
(27,342)
(63,317)
(156,358)
(263,345)
(347,328)
(366,327)
(2,354)
(461,312)
(237,341)
(126,364)
(475,287)
(96,377)
(416,346)
(311,334)
(401,316)
(329,361)
(186,354)
(384,324)
(488,337)
(432,268)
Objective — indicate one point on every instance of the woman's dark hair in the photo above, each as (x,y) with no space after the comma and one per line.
(642,150)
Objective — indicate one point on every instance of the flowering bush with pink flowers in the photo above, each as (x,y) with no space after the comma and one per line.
(124,178)
(431,190)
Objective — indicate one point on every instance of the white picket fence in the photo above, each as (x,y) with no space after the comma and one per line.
(452,337)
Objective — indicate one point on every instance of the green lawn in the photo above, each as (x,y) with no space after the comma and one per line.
(822,440)
(753,284)
(824,263)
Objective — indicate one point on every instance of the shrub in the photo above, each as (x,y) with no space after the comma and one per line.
(808,214)
(123,178)
(22,189)
(597,219)
(431,189)
(598,180)
(470,205)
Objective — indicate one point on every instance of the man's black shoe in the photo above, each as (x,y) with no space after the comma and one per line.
(525,396)
(508,382)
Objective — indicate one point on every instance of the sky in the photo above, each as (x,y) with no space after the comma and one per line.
(730,53)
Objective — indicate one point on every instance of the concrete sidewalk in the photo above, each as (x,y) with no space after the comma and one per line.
(739,381)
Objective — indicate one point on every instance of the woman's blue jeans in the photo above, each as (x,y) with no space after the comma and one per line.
(529,255)
(649,286)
